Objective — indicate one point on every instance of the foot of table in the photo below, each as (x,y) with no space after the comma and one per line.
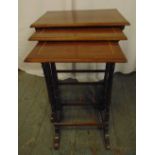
(107,141)
(56,140)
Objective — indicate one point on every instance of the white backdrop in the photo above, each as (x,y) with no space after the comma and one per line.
(30,10)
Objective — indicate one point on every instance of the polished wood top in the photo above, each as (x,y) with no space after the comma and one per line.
(76,52)
(78,34)
(83,18)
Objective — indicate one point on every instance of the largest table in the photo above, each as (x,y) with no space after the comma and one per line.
(75,37)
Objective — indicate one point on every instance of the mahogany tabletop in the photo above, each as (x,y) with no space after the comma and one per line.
(78,34)
(98,51)
(82,18)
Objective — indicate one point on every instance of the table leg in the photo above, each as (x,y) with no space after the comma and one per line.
(52,100)
(107,100)
(53,93)
(56,91)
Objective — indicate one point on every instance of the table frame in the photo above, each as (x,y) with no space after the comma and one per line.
(52,83)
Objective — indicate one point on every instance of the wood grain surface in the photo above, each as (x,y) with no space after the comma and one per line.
(107,17)
(76,52)
(78,34)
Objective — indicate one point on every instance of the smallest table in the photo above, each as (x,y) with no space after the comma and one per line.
(75,37)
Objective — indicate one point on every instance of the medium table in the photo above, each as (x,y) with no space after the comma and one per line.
(75,37)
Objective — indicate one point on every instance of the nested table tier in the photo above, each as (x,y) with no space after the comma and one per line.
(78,34)
(76,52)
(81,18)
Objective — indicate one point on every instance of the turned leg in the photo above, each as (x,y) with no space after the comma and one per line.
(107,100)
(56,140)
(56,91)
(53,93)
(52,100)
(58,109)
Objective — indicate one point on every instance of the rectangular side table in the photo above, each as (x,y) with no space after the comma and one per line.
(75,37)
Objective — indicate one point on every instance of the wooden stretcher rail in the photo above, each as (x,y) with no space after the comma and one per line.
(80,71)
(76,104)
(78,124)
(80,83)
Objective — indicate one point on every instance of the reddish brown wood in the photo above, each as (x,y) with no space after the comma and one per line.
(78,34)
(109,17)
(77,124)
(76,52)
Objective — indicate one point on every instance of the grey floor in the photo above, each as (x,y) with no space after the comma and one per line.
(36,131)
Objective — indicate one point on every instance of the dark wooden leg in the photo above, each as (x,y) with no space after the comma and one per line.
(53,93)
(107,100)
(47,73)
(56,141)
(56,92)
